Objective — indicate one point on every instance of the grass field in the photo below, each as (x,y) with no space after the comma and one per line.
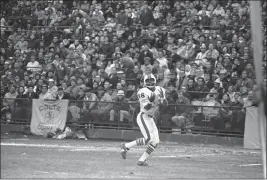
(32,157)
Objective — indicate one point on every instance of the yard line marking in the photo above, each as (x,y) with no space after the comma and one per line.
(248,165)
(18,139)
(73,148)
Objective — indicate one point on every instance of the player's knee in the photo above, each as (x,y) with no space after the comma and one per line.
(155,141)
(174,118)
(147,140)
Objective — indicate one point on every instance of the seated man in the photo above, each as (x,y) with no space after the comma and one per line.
(121,108)
(180,119)
(104,105)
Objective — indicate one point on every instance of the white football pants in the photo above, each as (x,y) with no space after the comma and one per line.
(148,128)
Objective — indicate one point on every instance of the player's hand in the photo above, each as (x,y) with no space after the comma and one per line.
(161,94)
(152,97)
(164,102)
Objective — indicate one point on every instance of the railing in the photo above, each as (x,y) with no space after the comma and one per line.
(176,118)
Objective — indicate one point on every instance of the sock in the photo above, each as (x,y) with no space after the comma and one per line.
(138,142)
(148,151)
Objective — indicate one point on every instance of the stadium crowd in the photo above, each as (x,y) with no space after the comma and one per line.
(198,50)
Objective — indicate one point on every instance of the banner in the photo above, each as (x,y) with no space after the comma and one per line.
(207,111)
(251,134)
(47,116)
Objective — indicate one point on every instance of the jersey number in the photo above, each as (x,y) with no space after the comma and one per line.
(142,95)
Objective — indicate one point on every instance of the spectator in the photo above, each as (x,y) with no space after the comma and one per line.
(61,94)
(121,108)
(182,112)
(146,15)
(33,65)
(45,94)
(244,81)
(103,106)
(52,88)
(217,48)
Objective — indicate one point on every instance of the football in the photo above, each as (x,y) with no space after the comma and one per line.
(127,62)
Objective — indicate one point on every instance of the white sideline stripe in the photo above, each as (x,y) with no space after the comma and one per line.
(88,148)
(79,148)
(247,165)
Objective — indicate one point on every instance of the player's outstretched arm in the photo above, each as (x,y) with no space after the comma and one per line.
(164,102)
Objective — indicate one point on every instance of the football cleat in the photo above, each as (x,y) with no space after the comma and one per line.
(142,163)
(123,151)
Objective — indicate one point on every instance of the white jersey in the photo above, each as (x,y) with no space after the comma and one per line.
(144,94)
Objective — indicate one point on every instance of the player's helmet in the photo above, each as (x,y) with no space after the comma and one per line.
(149,81)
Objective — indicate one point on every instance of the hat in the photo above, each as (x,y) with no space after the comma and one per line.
(51,47)
(206,31)
(87,38)
(218,81)
(120,93)
(17,52)
(51,80)
(203,46)
(223,71)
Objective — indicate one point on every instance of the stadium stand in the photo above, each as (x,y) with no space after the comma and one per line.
(94,51)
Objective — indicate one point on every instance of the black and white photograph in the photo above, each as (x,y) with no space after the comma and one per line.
(133,89)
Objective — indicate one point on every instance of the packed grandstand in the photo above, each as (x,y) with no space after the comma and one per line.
(96,52)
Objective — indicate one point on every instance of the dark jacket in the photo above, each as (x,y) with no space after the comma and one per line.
(146,17)
(121,105)
(65,96)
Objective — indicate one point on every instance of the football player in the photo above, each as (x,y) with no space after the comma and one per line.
(150,97)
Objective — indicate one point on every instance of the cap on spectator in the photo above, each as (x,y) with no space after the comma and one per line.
(120,93)
(60,88)
(82,86)
(17,52)
(7,62)
(203,46)
(206,31)
(217,81)
(87,38)
(200,78)
(174,47)
(51,80)
(30,86)
(223,71)
(51,47)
